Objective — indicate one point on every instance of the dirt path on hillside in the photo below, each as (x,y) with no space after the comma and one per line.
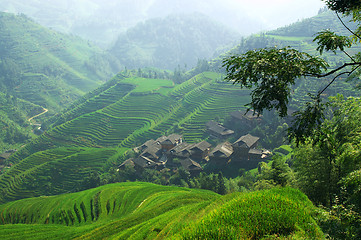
(44,111)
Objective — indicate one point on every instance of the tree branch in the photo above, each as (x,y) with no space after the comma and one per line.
(349,56)
(333,71)
(349,73)
(352,32)
(320,92)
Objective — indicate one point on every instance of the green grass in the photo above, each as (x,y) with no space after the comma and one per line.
(149,85)
(277,213)
(290,38)
(149,211)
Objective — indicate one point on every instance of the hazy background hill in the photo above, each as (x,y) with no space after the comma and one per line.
(46,67)
(102,21)
(172,41)
(41,68)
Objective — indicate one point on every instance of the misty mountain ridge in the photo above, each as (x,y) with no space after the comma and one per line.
(48,68)
(102,23)
(166,43)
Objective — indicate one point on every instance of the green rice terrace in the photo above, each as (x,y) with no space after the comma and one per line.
(152,108)
(118,117)
(50,186)
(149,211)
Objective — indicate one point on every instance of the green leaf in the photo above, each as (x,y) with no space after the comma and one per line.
(330,41)
(271,72)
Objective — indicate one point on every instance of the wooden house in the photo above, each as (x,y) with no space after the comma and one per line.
(249,118)
(127,163)
(221,154)
(4,156)
(142,162)
(242,146)
(179,151)
(191,166)
(196,151)
(218,131)
(153,152)
(145,145)
(199,151)
(171,141)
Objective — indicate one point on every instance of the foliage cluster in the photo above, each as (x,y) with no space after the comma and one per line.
(326,160)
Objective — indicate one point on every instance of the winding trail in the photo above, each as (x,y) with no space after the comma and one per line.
(44,111)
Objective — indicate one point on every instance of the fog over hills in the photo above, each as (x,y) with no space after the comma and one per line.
(102,21)
(176,40)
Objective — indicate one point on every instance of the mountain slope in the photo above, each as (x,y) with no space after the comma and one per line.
(45,67)
(172,41)
(149,211)
(15,127)
(128,112)
(300,36)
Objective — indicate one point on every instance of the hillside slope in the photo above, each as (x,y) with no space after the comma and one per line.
(129,111)
(300,36)
(126,112)
(169,42)
(48,68)
(15,128)
(149,211)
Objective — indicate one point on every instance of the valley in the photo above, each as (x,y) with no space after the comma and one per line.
(146,140)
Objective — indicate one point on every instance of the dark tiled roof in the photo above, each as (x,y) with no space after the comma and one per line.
(218,128)
(144,162)
(129,162)
(202,146)
(190,165)
(5,155)
(167,142)
(148,143)
(222,150)
(255,151)
(154,151)
(250,115)
(246,140)
(172,139)
(161,139)
(180,147)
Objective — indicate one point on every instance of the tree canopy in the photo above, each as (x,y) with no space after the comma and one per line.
(343,6)
(327,157)
(271,73)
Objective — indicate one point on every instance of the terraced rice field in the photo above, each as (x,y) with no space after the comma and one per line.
(149,211)
(138,115)
(52,172)
(118,116)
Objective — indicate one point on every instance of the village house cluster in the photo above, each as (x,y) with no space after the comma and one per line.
(3,157)
(172,151)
